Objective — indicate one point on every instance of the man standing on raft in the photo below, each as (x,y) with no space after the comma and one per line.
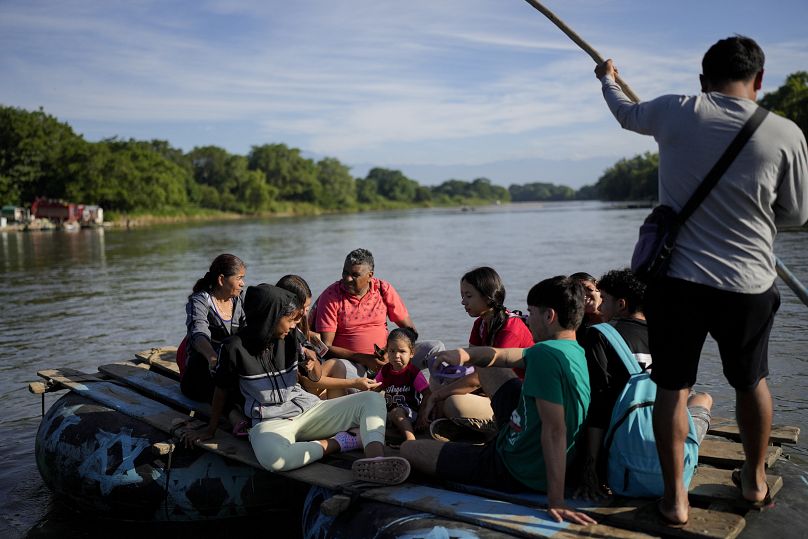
(722,272)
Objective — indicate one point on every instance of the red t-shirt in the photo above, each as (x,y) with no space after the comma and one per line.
(359,323)
(514,333)
(402,387)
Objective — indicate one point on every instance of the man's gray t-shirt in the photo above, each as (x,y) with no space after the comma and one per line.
(727,243)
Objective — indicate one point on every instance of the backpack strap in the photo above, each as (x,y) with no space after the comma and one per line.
(619,344)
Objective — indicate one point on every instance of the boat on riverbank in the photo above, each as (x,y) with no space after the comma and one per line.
(109,447)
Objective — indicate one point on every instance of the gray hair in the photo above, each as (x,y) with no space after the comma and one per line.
(360,257)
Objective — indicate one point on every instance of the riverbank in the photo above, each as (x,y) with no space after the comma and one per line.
(119,220)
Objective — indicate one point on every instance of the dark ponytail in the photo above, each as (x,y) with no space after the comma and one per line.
(489,284)
(224,264)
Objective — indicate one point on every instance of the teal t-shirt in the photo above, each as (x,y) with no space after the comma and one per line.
(556,372)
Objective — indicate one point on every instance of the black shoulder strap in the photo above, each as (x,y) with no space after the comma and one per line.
(723,163)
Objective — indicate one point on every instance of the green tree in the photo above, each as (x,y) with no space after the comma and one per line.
(89,168)
(631,179)
(211,166)
(423,195)
(791,100)
(451,190)
(255,193)
(538,191)
(34,147)
(294,176)
(393,184)
(338,186)
(587,192)
(366,192)
(139,178)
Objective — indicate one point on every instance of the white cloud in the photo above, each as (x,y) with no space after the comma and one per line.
(439,82)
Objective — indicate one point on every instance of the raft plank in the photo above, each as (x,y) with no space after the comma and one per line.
(709,485)
(155,386)
(725,454)
(159,416)
(492,513)
(504,516)
(702,523)
(162,360)
(631,514)
(728,428)
(715,486)
(38,388)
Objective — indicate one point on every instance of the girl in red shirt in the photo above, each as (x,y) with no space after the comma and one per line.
(482,295)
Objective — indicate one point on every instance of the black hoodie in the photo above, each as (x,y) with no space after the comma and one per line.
(264,366)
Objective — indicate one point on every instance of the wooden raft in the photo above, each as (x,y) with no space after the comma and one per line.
(490,513)
(710,486)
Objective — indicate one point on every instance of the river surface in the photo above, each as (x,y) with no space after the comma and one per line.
(82,299)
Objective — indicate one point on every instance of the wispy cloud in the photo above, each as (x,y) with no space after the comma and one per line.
(471,81)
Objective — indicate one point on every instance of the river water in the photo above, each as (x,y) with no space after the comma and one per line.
(82,299)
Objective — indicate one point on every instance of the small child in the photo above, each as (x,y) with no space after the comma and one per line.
(404,385)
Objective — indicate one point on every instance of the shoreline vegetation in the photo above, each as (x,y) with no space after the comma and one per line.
(151,182)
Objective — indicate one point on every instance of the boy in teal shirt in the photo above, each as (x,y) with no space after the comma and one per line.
(539,420)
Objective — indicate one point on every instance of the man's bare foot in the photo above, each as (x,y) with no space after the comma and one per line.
(757,497)
(675,517)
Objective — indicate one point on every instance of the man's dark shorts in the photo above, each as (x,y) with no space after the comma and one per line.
(481,464)
(680,315)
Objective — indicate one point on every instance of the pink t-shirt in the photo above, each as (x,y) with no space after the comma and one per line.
(514,333)
(359,323)
(402,388)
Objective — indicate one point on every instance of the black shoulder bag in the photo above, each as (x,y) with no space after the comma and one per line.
(652,253)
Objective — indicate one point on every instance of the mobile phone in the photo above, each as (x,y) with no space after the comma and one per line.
(319,347)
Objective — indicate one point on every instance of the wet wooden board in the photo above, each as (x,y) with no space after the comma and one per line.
(156,386)
(709,485)
(162,360)
(702,523)
(518,520)
(715,486)
(492,513)
(726,454)
(634,514)
(728,428)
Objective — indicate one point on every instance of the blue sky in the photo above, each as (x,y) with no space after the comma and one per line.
(439,89)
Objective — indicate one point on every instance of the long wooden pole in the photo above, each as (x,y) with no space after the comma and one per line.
(792,281)
(583,44)
(782,271)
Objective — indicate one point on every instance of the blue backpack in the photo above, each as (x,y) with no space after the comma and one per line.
(633,465)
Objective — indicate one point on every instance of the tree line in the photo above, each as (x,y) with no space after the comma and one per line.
(41,156)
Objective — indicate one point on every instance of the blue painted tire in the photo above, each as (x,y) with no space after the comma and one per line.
(102,462)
